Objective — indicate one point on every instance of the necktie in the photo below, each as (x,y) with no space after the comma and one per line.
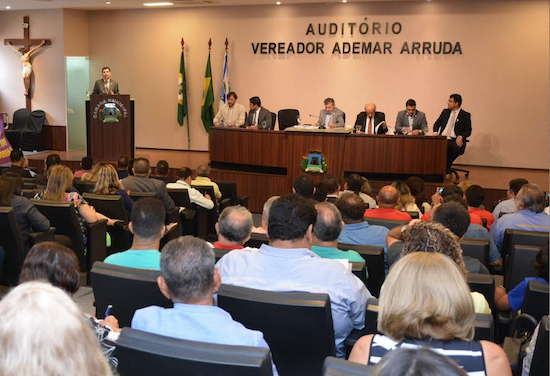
(369,131)
(106,87)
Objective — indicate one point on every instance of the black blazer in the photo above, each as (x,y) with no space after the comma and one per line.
(463,124)
(378,117)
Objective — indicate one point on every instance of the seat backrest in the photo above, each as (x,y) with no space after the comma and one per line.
(180,197)
(37,119)
(484,327)
(256,240)
(374,259)
(228,190)
(341,367)
(28,193)
(143,354)
(111,206)
(212,215)
(535,302)
(485,284)
(20,119)
(539,363)
(387,223)
(12,242)
(296,325)
(273,120)
(288,118)
(519,265)
(126,289)
(139,195)
(414,214)
(520,237)
(476,248)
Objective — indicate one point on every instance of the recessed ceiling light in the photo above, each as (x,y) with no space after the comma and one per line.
(8,7)
(161,4)
(344,1)
(108,3)
(278,3)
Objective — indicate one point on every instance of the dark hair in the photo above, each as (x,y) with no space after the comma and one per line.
(330,183)
(355,182)
(131,166)
(184,173)
(54,263)
(148,216)
(457,98)
(452,189)
(532,198)
(10,183)
(304,186)
(52,160)
(541,263)
(87,163)
(352,207)
(454,216)
(475,196)
(329,100)
(320,194)
(329,222)
(16,155)
(516,184)
(141,166)
(232,94)
(256,101)
(416,185)
(102,69)
(289,218)
(162,168)
(235,223)
(123,161)
(410,103)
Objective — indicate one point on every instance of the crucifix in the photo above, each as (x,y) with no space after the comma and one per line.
(26,51)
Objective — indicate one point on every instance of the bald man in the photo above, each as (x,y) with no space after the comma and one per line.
(388,199)
(372,121)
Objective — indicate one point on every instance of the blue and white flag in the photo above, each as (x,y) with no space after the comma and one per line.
(226,86)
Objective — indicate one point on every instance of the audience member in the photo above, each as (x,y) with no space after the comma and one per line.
(44,334)
(475,196)
(233,228)
(303,186)
(184,182)
(18,164)
(287,264)
(189,278)
(354,184)
(86,167)
(91,176)
(28,217)
(203,179)
(425,302)
(509,205)
(416,362)
(51,160)
(162,170)
(122,167)
(147,225)
(331,185)
(416,185)
(265,216)
(465,184)
(320,194)
(140,182)
(108,184)
(451,193)
(131,166)
(529,216)
(406,200)
(388,199)
(356,229)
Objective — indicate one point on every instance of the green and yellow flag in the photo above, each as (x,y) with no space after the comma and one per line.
(183,110)
(207,112)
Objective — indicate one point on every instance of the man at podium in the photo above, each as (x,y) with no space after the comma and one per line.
(106,85)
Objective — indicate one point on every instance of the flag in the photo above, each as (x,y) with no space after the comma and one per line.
(226,86)
(5,147)
(182,92)
(207,111)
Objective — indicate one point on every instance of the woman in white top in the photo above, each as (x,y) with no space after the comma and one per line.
(359,185)
(406,199)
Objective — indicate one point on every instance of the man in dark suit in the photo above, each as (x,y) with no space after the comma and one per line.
(106,85)
(17,164)
(411,121)
(259,117)
(456,125)
(371,121)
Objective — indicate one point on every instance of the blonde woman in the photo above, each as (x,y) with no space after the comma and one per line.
(108,184)
(406,199)
(44,333)
(425,302)
(91,176)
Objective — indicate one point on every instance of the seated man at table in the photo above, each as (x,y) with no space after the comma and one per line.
(330,116)
(233,228)
(411,121)
(388,199)
(259,117)
(372,121)
(184,182)
(231,114)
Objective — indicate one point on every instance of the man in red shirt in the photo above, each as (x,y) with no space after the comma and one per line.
(475,196)
(387,199)
(234,228)
(451,197)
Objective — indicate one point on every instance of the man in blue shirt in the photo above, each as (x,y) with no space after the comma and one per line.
(287,264)
(530,215)
(189,278)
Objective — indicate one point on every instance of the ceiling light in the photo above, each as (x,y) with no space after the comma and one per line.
(8,7)
(161,4)
(344,1)
(278,3)
(108,3)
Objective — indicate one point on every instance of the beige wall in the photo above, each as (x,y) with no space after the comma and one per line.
(75,32)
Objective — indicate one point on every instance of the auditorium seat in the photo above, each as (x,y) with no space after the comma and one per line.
(229,192)
(414,214)
(211,215)
(273,120)
(143,354)
(476,248)
(485,284)
(19,123)
(84,186)
(174,233)
(387,223)
(194,218)
(519,265)
(340,367)
(539,364)
(32,137)
(521,329)
(126,289)
(139,195)
(521,237)
(256,240)
(535,302)
(288,118)
(29,193)
(374,259)
(28,183)
(296,325)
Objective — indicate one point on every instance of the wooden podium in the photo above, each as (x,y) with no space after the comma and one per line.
(109,127)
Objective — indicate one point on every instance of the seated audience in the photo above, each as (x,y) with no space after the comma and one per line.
(189,278)
(331,185)
(356,229)
(425,302)
(51,160)
(122,167)
(388,199)
(141,182)
(233,228)
(530,215)
(202,179)
(91,176)
(287,264)
(451,193)
(184,182)
(509,205)
(406,199)
(58,265)
(85,167)
(28,217)
(303,186)
(513,300)
(147,225)
(475,196)
(18,164)
(416,186)
(44,334)
(131,166)
(357,184)
(108,184)
(265,216)
(465,184)
(416,362)
(320,194)
(162,170)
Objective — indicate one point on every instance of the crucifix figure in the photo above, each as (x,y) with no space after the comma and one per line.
(26,52)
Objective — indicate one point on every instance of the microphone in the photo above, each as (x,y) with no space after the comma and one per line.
(318,118)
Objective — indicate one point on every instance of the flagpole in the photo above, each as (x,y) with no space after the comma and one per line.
(186,106)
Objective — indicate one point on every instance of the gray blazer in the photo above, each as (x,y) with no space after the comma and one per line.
(99,87)
(265,115)
(419,122)
(140,184)
(337,118)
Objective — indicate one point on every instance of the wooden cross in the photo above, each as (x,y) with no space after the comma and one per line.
(27,43)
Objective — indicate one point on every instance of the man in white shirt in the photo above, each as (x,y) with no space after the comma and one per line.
(184,182)
(231,114)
